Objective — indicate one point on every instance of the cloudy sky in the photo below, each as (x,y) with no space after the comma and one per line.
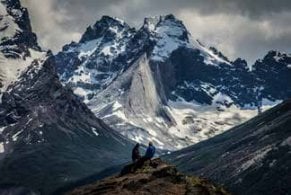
(239,28)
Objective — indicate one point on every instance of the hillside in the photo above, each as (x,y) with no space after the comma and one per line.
(253,158)
(48,137)
(155,178)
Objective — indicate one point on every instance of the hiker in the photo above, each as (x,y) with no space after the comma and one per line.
(135,153)
(150,152)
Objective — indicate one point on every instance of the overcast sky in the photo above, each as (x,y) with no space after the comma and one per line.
(239,28)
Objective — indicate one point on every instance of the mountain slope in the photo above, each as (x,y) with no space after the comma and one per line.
(48,137)
(159,84)
(253,158)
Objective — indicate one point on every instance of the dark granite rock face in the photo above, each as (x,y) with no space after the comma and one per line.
(273,75)
(198,81)
(253,158)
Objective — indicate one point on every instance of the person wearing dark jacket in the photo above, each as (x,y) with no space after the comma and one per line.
(150,151)
(135,153)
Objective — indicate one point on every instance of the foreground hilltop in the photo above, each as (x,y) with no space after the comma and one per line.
(155,178)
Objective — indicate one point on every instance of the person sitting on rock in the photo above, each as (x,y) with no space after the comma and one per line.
(150,152)
(135,153)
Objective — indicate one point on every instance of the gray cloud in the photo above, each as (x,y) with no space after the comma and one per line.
(240,28)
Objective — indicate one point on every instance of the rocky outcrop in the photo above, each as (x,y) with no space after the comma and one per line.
(154,177)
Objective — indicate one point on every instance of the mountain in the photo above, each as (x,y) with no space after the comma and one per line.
(272,73)
(18,44)
(16,33)
(252,158)
(157,83)
(155,178)
(48,137)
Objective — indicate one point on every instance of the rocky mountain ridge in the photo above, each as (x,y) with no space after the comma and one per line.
(158,83)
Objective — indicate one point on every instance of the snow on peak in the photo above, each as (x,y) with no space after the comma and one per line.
(112,20)
(211,57)
(150,23)
(11,69)
(168,33)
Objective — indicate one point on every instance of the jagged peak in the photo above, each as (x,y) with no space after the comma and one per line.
(19,13)
(109,19)
(151,23)
(239,62)
(102,27)
(218,53)
(276,56)
(273,60)
(16,31)
(274,53)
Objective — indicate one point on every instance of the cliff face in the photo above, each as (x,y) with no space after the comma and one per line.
(156,177)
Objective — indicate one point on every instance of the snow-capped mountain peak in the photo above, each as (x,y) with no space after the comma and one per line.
(108,27)
(159,83)
(167,33)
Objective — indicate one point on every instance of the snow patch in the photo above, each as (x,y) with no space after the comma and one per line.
(286,142)
(94,131)
(2,150)
(11,69)
(116,106)
(257,158)
(221,98)
(88,48)
(80,92)
(167,34)
(15,136)
(2,129)
(199,122)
